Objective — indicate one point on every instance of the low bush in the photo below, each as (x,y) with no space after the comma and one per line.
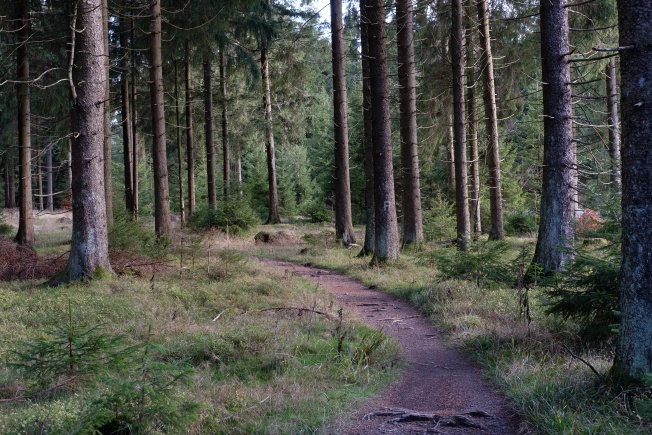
(233,216)
(520,223)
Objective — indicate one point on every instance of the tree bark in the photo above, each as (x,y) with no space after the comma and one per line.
(108,181)
(386,227)
(614,122)
(370,227)
(190,153)
(472,124)
(343,218)
(450,154)
(126,124)
(89,250)
(161,190)
(25,235)
(496,232)
(634,350)
(226,161)
(134,125)
(459,127)
(274,216)
(50,179)
(556,232)
(182,211)
(411,195)
(209,133)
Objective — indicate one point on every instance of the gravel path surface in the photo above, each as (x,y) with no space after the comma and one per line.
(439,392)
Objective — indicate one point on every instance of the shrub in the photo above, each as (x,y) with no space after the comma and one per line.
(439,220)
(236,216)
(318,213)
(127,235)
(520,223)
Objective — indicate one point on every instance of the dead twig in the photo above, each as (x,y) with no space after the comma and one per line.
(301,310)
(588,364)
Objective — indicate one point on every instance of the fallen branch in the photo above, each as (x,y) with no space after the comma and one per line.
(38,393)
(588,364)
(218,316)
(397,319)
(301,310)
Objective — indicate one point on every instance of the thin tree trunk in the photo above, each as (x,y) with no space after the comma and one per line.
(39,176)
(7,180)
(472,130)
(182,210)
(126,124)
(190,154)
(634,350)
(161,190)
(89,250)
(450,154)
(274,216)
(343,218)
(134,126)
(226,161)
(411,194)
(496,232)
(12,183)
(556,232)
(614,122)
(387,243)
(370,227)
(25,235)
(459,127)
(210,135)
(50,180)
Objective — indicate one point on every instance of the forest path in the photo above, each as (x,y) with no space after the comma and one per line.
(439,391)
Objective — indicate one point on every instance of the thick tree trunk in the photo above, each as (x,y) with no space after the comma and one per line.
(496,232)
(370,227)
(343,218)
(411,195)
(25,235)
(226,154)
(89,248)
(50,179)
(126,124)
(614,122)
(108,182)
(134,127)
(556,232)
(209,134)
(274,216)
(459,127)
(190,153)
(161,190)
(182,211)
(634,351)
(472,124)
(387,243)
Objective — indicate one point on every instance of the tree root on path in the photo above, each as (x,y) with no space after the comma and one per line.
(408,416)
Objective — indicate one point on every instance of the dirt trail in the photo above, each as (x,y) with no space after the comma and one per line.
(439,391)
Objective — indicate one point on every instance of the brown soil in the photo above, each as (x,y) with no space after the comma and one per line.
(439,391)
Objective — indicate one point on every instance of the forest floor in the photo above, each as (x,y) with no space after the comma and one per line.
(439,390)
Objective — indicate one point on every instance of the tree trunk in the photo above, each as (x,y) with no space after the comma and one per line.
(209,135)
(161,191)
(89,248)
(226,161)
(50,180)
(25,235)
(370,227)
(190,154)
(496,232)
(450,154)
(134,126)
(7,180)
(12,183)
(182,211)
(387,243)
(459,127)
(343,218)
(126,124)
(555,240)
(614,122)
(472,124)
(411,195)
(634,351)
(39,176)
(108,182)
(274,216)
